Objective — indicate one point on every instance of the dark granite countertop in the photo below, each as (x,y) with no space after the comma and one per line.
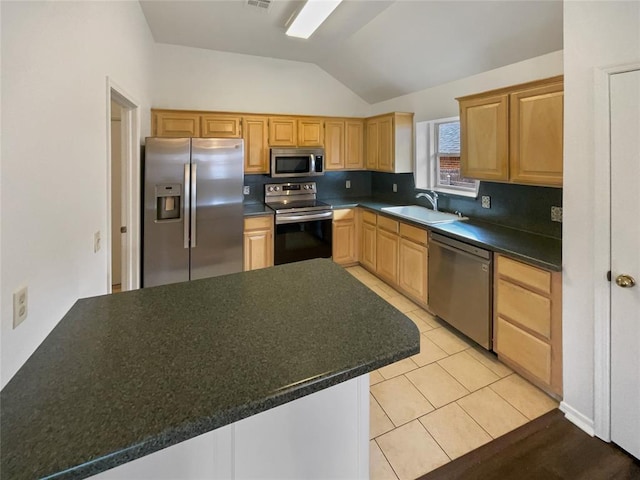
(256,209)
(545,252)
(124,375)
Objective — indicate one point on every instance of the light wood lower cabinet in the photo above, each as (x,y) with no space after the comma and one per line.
(387,249)
(258,242)
(367,256)
(413,257)
(528,321)
(344,237)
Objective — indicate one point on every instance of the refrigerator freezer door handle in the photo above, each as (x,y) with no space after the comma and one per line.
(186,204)
(194,179)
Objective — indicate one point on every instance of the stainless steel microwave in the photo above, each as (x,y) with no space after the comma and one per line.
(297,162)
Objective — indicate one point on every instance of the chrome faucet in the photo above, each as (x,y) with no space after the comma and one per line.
(433,199)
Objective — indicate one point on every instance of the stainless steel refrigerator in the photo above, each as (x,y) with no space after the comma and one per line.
(193,215)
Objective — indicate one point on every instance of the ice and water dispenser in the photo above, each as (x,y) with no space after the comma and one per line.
(168,199)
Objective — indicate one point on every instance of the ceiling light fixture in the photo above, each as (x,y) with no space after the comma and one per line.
(310,17)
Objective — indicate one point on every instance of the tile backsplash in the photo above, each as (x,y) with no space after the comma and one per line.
(517,206)
(522,207)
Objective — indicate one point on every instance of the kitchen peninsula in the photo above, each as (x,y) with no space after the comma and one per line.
(248,363)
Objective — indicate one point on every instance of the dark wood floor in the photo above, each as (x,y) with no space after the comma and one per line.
(549,448)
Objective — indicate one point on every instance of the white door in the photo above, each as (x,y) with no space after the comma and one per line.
(625,260)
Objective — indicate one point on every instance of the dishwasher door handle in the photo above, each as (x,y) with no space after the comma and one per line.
(457,251)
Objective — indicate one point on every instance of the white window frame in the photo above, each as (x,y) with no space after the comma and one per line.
(426,160)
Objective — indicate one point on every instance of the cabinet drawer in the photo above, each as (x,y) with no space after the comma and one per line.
(416,234)
(344,214)
(258,223)
(369,217)
(526,350)
(386,223)
(525,274)
(525,307)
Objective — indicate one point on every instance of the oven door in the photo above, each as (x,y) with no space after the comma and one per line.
(302,236)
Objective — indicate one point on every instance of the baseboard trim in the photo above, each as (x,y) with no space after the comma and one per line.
(578,419)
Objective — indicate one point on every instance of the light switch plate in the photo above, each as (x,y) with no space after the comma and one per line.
(395,187)
(556,214)
(348,184)
(486,201)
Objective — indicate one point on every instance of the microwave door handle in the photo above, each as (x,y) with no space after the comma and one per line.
(312,161)
(186,204)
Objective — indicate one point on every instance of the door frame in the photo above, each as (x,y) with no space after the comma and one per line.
(130,158)
(602,249)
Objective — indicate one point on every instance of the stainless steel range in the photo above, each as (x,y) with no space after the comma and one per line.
(303,227)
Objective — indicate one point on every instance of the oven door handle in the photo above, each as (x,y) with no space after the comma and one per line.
(282,219)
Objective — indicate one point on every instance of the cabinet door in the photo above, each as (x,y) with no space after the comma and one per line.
(385,144)
(412,269)
(176,124)
(354,145)
(310,133)
(484,138)
(344,237)
(368,249)
(536,135)
(220,126)
(258,243)
(372,145)
(283,132)
(387,256)
(256,149)
(334,145)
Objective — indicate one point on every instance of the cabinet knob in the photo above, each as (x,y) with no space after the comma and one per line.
(625,281)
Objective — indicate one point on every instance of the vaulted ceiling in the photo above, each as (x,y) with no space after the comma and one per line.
(380,49)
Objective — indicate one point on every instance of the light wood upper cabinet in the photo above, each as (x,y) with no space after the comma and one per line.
(485,138)
(371,151)
(354,145)
(256,148)
(168,123)
(334,145)
(310,132)
(528,321)
(344,237)
(258,242)
(220,126)
(536,135)
(389,143)
(514,134)
(283,131)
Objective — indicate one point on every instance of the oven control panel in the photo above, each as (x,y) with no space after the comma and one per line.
(289,188)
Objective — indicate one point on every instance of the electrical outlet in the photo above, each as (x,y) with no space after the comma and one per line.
(246,190)
(348,184)
(395,187)
(556,214)
(20,306)
(486,201)
(97,244)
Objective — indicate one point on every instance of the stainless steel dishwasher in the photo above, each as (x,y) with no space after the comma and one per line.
(460,287)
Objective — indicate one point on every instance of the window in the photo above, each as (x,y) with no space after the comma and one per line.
(438,158)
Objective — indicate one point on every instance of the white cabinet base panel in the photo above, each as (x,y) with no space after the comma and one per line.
(323,435)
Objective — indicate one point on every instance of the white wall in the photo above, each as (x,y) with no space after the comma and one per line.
(440,101)
(56,57)
(596,34)
(198,79)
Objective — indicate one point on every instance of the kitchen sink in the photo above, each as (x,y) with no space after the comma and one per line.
(423,215)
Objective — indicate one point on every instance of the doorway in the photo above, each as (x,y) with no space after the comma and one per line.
(123,191)
(617,383)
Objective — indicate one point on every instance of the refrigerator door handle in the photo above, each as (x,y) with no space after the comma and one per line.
(194,179)
(187,203)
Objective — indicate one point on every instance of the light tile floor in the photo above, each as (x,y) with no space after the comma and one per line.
(447,400)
